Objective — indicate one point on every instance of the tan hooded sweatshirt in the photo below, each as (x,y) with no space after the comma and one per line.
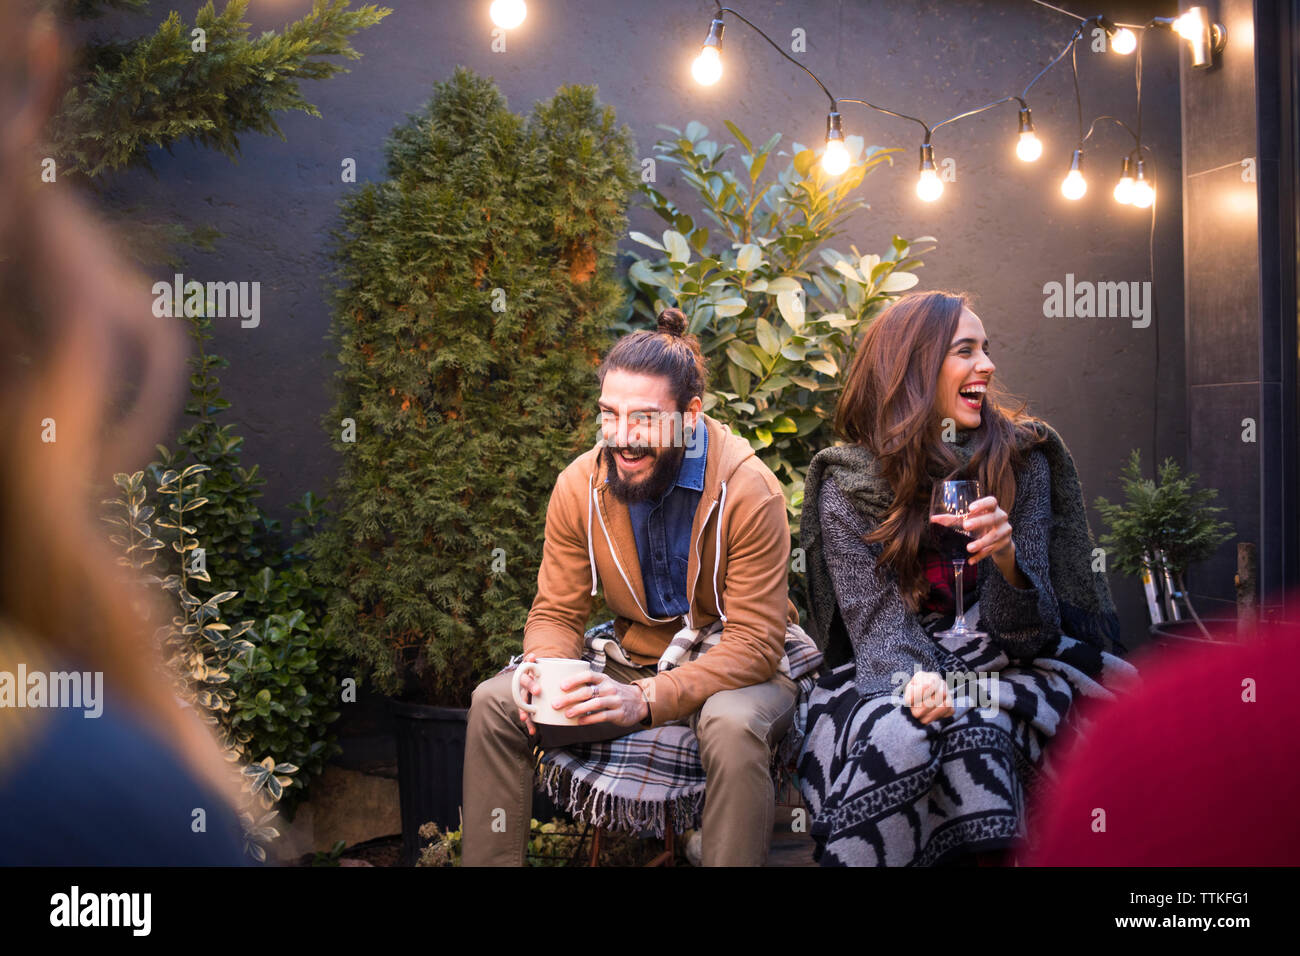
(740,548)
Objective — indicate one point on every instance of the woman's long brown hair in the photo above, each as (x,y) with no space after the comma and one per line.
(889,405)
(82,354)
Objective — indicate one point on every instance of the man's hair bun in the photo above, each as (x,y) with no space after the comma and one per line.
(672,321)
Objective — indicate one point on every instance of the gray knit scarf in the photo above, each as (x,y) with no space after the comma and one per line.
(1083,596)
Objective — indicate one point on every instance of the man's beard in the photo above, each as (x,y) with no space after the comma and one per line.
(662,476)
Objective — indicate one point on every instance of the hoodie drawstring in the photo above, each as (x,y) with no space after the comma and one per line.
(717,552)
(591,552)
(717,545)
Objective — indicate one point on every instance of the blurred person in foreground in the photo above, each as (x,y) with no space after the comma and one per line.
(119,778)
(1198,770)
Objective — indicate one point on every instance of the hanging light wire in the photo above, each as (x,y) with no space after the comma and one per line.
(881,109)
(776,46)
(1071,47)
(1131,26)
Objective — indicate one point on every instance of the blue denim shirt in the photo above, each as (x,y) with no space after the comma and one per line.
(663,534)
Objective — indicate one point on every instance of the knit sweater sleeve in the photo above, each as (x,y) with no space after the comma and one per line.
(887,639)
(1022,620)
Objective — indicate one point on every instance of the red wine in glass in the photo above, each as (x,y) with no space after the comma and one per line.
(949,541)
(949,505)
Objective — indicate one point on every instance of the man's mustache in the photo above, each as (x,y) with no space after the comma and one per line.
(630,449)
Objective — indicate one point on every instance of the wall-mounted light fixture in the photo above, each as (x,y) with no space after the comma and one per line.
(1203,37)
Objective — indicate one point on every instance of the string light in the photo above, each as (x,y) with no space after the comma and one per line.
(836,159)
(928,186)
(1120,39)
(1144,193)
(508,14)
(1028,147)
(1204,37)
(707,68)
(1123,41)
(1074,185)
(1124,188)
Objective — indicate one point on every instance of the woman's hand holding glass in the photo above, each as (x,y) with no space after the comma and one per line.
(992,530)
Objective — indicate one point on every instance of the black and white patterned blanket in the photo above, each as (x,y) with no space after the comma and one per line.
(884,789)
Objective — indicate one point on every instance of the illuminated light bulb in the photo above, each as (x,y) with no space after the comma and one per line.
(1144,193)
(707,68)
(1123,41)
(928,187)
(1028,147)
(1074,185)
(836,159)
(508,14)
(1124,188)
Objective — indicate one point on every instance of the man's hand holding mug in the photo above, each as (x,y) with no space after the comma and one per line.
(578,695)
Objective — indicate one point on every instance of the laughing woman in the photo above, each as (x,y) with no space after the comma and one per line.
(910,759)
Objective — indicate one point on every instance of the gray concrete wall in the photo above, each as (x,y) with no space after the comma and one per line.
(1004,229)
(1240,352)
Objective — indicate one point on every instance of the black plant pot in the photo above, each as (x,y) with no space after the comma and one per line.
(430,769)
(431,772)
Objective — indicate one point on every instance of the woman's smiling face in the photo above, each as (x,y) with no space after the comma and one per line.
(965,373)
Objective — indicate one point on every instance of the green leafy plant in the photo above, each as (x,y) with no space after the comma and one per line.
(778,312)
(477,292)
(128,96)
(283,696)
(236,535)
(282,688)
(197,646)
(330,858)
(1169,517)
(554,843)
(443,849)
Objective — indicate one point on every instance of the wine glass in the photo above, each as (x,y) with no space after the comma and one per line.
(949,505)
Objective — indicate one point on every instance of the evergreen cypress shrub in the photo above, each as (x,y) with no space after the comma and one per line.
(477,290)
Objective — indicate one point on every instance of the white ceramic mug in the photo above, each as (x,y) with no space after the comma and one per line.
(550,672)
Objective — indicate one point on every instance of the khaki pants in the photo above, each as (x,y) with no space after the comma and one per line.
(737,730)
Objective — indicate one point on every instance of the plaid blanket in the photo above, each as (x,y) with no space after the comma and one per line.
(631,782)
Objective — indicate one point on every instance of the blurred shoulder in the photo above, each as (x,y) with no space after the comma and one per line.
(108,790)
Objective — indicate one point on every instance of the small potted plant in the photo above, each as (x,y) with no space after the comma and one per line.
(1162,528)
